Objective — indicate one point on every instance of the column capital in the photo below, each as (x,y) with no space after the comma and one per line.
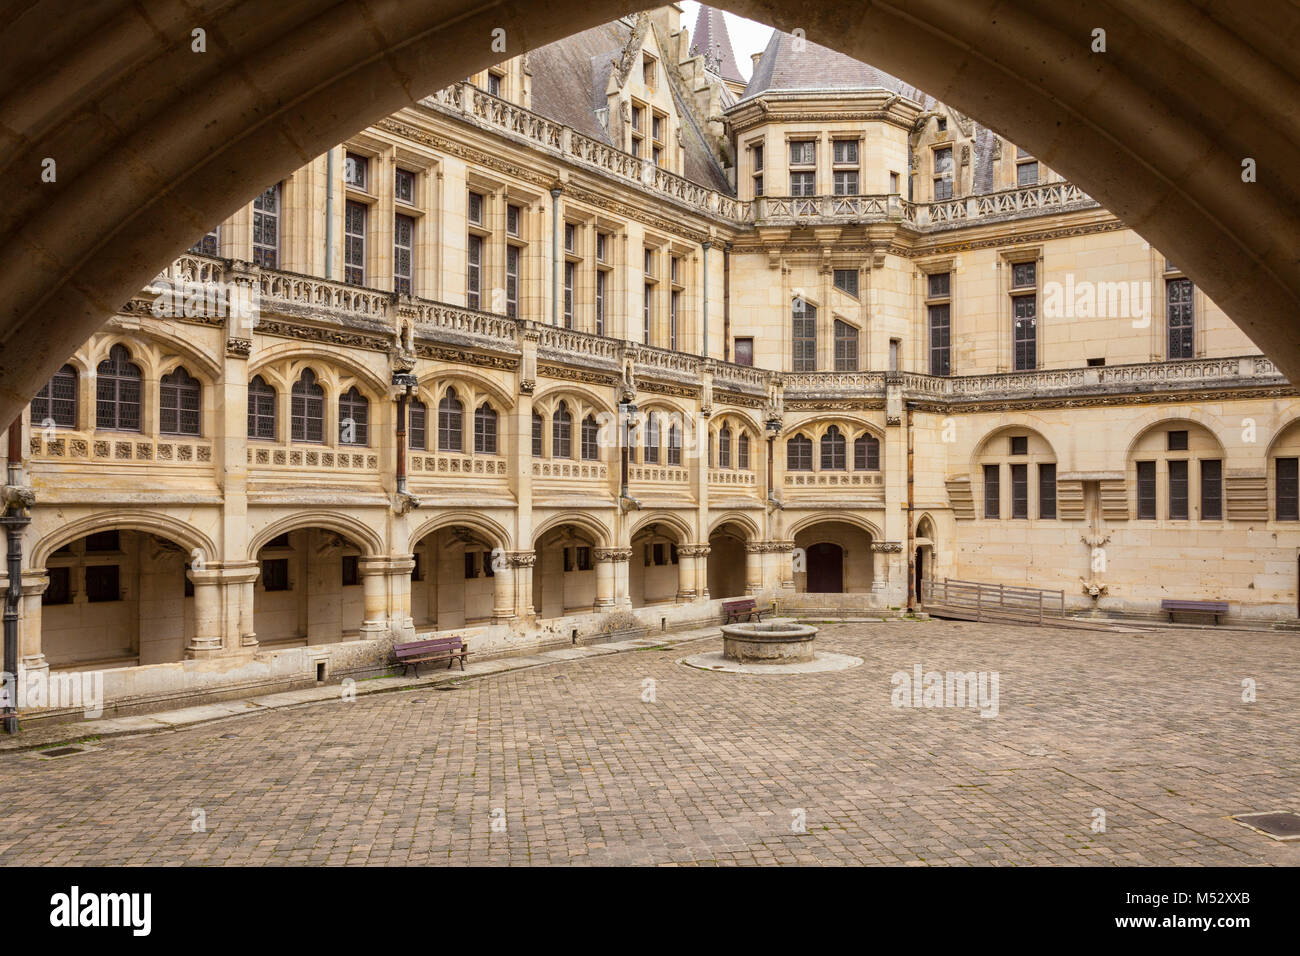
(613,555)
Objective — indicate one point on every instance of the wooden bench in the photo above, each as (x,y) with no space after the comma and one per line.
(742,609)
(1197,607)
(415,653)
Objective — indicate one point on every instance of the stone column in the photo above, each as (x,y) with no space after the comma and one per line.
(31,656)
(374,586)
(698,556)
(877,568)
(503,592)
(237,595)
(207,614)
(618,560)
(247,626)
(888,568)
(753,568)
(521,564)
(606,561)
(398,588)
(686,562)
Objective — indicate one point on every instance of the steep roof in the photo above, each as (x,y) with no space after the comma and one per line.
(711,40)
(791,64)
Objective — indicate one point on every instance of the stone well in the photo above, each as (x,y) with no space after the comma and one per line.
(778,641)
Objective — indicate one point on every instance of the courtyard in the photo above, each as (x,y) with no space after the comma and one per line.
(632,758)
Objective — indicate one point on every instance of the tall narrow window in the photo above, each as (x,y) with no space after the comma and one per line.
(404,186)
(1047,491)
(1181,318)
(178,403)
(354,243)
(417,428)
(569,269)
(485,430)
(1020,491)
(674,444)
(590,439)
(538,428)
(798,453)
(307,409)
(992,491)
(943,174)
(451,422)
(266,228)
(742,451)
(354,418)
(833,450)
(474,208)
(804,336)
(514,215)
(261,409)
(940,339)
(1211,489)
(673,301)
(403,254)
(474,273)
(1024,310)
(866,453)
(512,281)
(1178,490)
(1146,490)
(724,447)
(651,456)
(846,347)
(117,392)
(601,280)
(647,313)
(1287,489)
(562,432)
(57,401)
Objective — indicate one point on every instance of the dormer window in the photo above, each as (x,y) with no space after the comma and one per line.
(648,71)
(494,84)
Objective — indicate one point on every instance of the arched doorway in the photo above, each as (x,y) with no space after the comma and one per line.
(453,583)
(923,557)
(654,572)
(833,557)
(116,598)
(309,589)
(825,568)
(564,574)
(727,561)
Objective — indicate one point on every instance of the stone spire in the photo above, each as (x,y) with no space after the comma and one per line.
(711,40)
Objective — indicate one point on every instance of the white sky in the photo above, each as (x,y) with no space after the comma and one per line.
(747,37)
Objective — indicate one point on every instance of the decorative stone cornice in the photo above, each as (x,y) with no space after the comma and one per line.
(612,555)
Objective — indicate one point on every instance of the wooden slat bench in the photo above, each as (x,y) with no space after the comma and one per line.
(741,609)
(415,653)
(1196,607)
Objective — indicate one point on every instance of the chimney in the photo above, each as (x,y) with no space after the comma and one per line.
(755,57)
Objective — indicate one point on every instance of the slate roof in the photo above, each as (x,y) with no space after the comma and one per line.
(711,40)
(787,66)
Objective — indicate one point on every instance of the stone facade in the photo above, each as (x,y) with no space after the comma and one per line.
(643,389)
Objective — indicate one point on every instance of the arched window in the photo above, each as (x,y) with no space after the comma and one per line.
(417,426)
(742,452)
(846,347)
(307,409)
(833,448)
(57,401)
(261,409)
(590,439)
(724,447)
(354,417)
(538,426)
(117,392)
(178,403)
(798,453)
(451,422)
(562,432)
(674,444)
(652,439)
(866,453)
(804,336)
(485,430)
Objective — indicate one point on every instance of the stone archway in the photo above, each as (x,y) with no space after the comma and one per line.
(152,142)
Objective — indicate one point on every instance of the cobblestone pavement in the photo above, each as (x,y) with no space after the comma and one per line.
(578,768)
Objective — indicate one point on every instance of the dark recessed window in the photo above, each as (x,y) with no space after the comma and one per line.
(1146,490)
(351,571)
(59,590)
(1020,444)
(1019,491)
(417,425)
(471,565)
(798,454)
(1211,489)
(940,285)
(992,491)
(261,409)
(1178,509)
(404,186)
(307,409)
(275,574)
(1287,489)
(1024,274)
(103,541)
(179,396)
(403,254)
(57,401)
(354,243)
(1177,441)
(266,228)
(102,583)
(1047,491)
(117,392)
(846,280)
(1096,362)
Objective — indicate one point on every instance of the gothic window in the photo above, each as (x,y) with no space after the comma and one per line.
(117,392)
(354,415)
(178,403)
(866,453)
(798,453)
(590,439)
(261,409)
(307,409)
(57,401)
(451,422)
(561,432)
(833,449)
(485,430)
(417,425)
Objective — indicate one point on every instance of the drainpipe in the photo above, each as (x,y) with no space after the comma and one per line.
(704,343)
(911,534)
(726,302)
(329,213)
(15,519)
(555,255)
